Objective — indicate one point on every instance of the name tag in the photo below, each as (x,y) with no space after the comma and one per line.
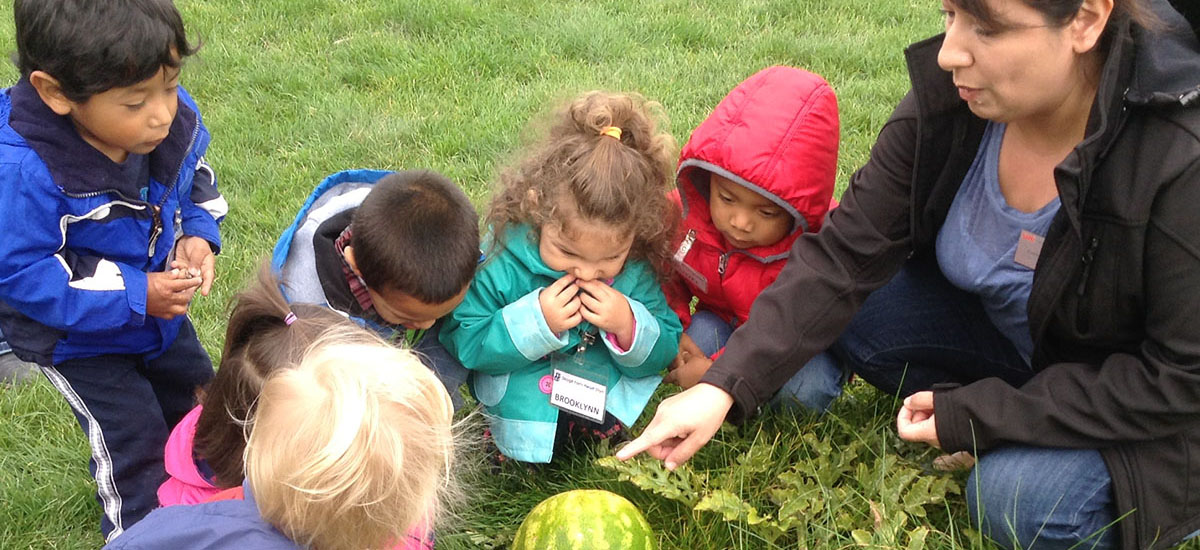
(692,276)
(1029,248)
(578,395)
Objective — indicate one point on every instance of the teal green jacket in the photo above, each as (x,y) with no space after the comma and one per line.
(500,334)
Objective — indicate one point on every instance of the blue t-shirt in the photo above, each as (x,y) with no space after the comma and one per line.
(977,246)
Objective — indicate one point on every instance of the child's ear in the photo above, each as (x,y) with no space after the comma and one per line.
(51,92)
(348,254)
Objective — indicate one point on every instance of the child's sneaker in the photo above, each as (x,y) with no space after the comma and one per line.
(14,371)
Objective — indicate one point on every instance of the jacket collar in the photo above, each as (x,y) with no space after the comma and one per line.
(79,168)
(1166,67)
(522,242)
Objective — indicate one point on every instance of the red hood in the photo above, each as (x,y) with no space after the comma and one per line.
(775,133)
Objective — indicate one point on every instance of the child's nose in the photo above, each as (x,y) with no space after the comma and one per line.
(421,325)
(584,273)
(161,114)
(740,221)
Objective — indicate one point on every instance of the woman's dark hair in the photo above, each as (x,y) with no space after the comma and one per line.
(258,341)
(1060,12)
(91,46)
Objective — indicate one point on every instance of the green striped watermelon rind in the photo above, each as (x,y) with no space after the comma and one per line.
(570,521)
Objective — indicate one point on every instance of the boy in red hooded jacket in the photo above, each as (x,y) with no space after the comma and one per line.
(753,177)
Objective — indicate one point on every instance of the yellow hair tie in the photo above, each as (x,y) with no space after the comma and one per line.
(612,132)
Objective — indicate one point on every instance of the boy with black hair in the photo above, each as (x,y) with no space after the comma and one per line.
(394,250)
(110,221)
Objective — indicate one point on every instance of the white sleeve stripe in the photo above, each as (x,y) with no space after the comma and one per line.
(107,277)
(217,208)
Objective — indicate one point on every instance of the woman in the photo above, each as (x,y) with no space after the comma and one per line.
(1028,218)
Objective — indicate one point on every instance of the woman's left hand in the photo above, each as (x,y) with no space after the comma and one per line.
(915,421)
(608,309)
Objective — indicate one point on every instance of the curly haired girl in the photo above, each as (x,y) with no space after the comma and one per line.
(568,313)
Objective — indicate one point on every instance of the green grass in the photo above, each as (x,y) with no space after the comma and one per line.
(296,89)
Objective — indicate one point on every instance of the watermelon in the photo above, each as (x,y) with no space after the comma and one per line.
(585,519)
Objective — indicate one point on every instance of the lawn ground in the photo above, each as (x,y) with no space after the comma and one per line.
(296,89)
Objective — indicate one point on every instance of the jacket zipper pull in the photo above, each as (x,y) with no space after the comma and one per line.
(155,231)
(1088,256)
(722,262)
(685,246)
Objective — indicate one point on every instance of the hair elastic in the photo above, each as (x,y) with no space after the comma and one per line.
(289,319)
(612,132)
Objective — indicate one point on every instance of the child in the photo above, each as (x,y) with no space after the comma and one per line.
(753,177)
(264,335)
(394,250)
(348,450)
(110,222)
(568,311)
(204,452)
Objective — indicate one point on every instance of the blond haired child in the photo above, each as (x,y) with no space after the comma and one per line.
(348,450)
(204,453)
(568,314)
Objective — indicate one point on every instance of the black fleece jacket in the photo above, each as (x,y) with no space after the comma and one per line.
(1115,305)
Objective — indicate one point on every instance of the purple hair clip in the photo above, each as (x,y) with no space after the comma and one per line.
(289,319)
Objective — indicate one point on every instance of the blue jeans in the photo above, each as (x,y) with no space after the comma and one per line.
(1043,498)
(919,330)
(447,367)
(814,388)
(709,331)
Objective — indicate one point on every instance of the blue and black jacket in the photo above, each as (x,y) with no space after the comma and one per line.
(79,237)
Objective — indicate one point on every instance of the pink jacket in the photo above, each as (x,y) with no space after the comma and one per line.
(776,133)
(185,484)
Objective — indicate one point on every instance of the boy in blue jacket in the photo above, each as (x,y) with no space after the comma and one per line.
(110,221)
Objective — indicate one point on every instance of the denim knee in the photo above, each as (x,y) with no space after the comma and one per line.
(814,387)
(448,369)
(709,331)
(1043,498)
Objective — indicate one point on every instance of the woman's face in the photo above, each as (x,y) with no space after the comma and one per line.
(1022,66)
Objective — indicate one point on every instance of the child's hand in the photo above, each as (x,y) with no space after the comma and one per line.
(688,368)
(197,256)
(560,304)
(169,293)
(607,309)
